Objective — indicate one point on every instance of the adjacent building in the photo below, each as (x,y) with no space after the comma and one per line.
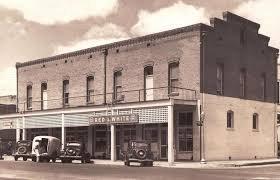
(196,92)
(7,106)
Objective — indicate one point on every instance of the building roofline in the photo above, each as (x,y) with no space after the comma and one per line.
(150,37)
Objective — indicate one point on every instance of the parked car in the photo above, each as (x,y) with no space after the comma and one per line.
(138,151)
(46,148)
(24,149)
(74,151)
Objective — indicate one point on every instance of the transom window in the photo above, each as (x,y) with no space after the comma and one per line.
(230,119)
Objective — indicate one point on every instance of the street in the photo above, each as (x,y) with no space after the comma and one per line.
(30,170)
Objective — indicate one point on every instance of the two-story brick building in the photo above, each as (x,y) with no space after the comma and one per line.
(195,92)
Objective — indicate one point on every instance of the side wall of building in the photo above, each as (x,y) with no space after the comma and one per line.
(227,45)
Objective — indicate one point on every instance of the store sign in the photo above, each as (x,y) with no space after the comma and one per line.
(114,119)
(7,124)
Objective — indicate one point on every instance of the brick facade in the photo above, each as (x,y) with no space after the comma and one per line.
(233,42)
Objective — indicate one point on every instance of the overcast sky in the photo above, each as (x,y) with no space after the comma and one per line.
(32,29)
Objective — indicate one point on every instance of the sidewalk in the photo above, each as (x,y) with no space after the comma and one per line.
(210,164)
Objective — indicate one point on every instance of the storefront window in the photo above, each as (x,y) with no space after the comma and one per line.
(129,133)
(151,132)
(185,131)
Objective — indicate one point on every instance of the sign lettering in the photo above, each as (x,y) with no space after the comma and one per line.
(114,119)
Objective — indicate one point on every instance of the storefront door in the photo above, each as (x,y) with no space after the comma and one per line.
(163,143)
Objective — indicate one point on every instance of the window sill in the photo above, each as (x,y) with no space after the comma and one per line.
(255,130)
(65,105)
(230,129)
(90,103)
(185,151)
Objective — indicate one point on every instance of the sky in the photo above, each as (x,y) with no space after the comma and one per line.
(33,29)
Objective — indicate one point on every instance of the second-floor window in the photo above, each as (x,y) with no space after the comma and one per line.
(90,89)
(149,83)
(263,86)
(44,96)
(220,79)
(29,97)
(173,76)
(117,85)
(65,92)
(242,82)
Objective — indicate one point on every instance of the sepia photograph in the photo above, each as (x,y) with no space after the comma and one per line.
(139,89)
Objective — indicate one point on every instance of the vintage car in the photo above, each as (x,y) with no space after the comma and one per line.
(74,151)
(24,149)
(46,148)
(138,151)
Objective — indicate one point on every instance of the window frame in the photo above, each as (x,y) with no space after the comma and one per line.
(44,87)
(116,86)
(90,92)
(230,119)
(255,121)
(171,78)
(65,95)
(29,90)
(148,71)
(186,130)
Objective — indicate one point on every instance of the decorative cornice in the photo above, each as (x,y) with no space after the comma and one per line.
(150,37)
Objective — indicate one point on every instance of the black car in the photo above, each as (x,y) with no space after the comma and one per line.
(23,149)
(74,151)
(138,151)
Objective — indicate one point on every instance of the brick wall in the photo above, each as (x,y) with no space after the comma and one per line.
(223,46)
(241,142)
(182,47)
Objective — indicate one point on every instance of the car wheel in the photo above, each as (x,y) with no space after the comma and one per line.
(24,158)
(22,150)
(54,160)
(16,158)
